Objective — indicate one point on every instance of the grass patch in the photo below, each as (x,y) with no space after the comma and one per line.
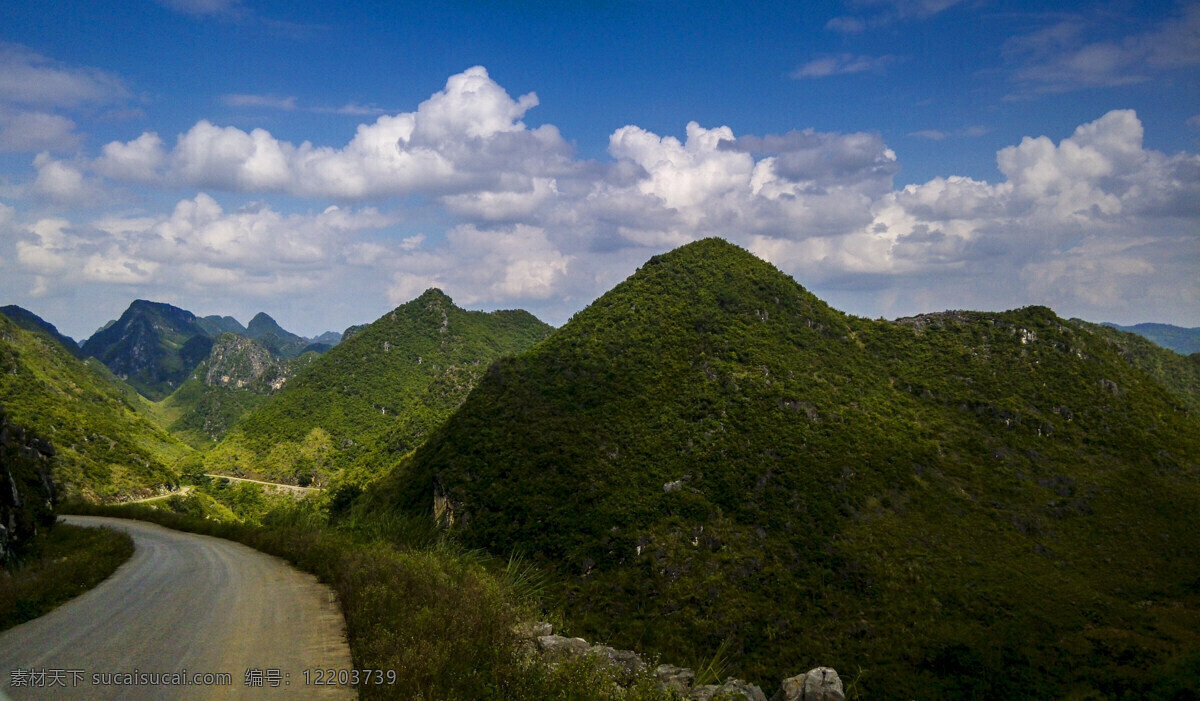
(441,616)
(62,563)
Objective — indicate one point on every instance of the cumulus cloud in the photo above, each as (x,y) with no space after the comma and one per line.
(1094,222)
(63,181)
(137,160)
(842,64)
(466,138)
(474,265)
(253,250)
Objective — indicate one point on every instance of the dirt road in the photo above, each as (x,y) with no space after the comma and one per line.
(184,605)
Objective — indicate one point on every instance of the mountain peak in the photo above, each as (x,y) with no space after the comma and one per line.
(435,295)
(262,323)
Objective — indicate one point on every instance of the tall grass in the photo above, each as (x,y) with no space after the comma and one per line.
(62,563)
(441,616)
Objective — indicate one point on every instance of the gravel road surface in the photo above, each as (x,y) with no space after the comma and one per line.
(182,602)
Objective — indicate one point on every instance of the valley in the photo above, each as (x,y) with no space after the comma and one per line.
(708,457)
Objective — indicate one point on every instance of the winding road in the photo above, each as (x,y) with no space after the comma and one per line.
(182,602)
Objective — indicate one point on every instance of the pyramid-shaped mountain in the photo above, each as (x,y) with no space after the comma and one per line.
(153,346)
(376,393)
(996,505)
(282,342)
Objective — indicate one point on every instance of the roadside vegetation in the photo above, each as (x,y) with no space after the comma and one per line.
(59,564)
(440,615)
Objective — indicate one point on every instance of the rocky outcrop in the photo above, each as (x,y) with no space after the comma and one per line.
(237,361)
(818,684)
(26,487)
(731,690)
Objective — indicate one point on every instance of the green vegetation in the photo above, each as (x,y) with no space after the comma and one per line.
(32,322)
(375,396)
(106,445)
(1179,374)
(989,505)
(441,616)
(62,563)
(238,376)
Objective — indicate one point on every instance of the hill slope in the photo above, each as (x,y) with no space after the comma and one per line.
(238,375)
(105,447)
(32,322)
(379,390)
(960,503)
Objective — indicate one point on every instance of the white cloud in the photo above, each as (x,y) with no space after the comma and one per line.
(941,135)
(31,131)
(137,160)
(27,78)
(842,64)
(255,250)
(203,7)
(1095,222)
(1061,58)
(275,102)
(62,181)
(513,263)
(513,219)
(467,138)
(846,25)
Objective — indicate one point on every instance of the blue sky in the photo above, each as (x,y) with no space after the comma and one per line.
(324,162)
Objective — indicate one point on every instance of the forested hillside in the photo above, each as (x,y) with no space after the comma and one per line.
(376,395)
(964,504)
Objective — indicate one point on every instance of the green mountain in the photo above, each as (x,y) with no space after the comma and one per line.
(1181,340)
(106,445)
(958,505)
(375,395)
(32,322)
(238,375)
(153,346)
(266,331)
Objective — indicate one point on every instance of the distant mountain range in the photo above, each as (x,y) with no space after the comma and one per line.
(155,346)
(1181,340)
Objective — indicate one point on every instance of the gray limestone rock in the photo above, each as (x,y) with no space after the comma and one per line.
(680,679)
(818,684)
(556,647)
